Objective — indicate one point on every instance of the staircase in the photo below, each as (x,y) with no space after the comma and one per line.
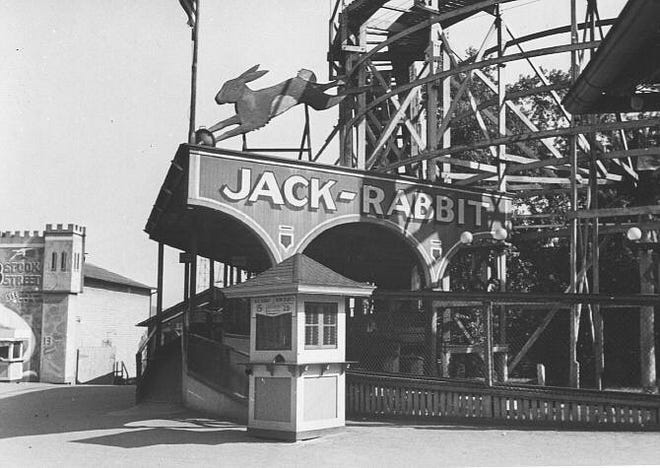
(160,379)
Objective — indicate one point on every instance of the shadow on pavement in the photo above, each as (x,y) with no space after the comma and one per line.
(165,436)
(64,409)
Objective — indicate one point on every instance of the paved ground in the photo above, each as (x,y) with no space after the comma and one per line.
(98,426)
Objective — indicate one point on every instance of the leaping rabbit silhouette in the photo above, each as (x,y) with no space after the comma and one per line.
(255,108)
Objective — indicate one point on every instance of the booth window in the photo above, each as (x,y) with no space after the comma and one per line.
(273,332)
(53,261)
(18,350)
(320,325)
(4,350)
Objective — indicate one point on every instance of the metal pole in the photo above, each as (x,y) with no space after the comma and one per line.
(193,79)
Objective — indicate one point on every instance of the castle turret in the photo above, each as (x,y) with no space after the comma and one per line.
(64,251)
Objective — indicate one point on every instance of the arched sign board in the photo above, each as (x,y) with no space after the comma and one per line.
(287,204)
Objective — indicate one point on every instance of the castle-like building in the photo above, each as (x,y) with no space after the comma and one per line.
(63,320)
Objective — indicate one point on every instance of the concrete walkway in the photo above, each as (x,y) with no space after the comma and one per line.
(98,426)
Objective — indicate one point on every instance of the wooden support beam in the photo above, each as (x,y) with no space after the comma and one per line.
(565,131)
(615,212)
(544,324)
(462,69)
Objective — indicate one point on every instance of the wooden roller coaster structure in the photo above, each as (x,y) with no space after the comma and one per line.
(407,87)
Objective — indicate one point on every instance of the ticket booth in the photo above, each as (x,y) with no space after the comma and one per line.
(297,348)
(12,349)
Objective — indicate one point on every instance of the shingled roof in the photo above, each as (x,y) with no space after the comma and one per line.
(98,274)
(298,274)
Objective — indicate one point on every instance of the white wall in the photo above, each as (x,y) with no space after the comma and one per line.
(109,317)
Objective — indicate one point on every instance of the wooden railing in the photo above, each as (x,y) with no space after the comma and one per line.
(142,355)
(390,396)
(218,364)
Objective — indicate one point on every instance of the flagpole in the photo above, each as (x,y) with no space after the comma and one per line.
(193,80)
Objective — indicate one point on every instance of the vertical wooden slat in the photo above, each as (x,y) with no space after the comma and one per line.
(496,414)
(378,403)
(363,398)
(352,393)
(369,398)
(574,412)
(452,403)
(404,400)
(387,397)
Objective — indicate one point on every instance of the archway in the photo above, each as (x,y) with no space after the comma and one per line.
(370,252)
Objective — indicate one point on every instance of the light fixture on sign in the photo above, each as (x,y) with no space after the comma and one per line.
(500,234)
(634,233)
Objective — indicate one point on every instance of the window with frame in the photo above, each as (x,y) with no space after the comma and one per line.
(64,262)
(320,324)
(53,261)
(18,350)
(273,332)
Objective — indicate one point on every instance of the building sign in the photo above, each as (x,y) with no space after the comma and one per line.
(21,272)
(288,204)
(274,305)
(21,297)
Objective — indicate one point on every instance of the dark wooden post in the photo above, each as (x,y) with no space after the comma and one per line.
(647,322)
(446,340)
(431,358)
(159,296)
(488,345)
(212,278)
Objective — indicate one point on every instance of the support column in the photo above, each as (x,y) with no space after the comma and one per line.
(573,365)
(212,278)
(446,340)
(361,137)
(501,107)
(599,356)
(488,345)
(433,54)
(159,296)
(431,358)
(647,323)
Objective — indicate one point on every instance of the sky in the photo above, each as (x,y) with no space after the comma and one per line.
(95,94)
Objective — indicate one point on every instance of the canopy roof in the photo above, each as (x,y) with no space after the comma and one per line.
(624,74)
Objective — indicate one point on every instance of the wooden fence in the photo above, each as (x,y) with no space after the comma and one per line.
(389,396)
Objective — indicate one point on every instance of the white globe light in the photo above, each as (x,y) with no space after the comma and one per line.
(466,237)
(500,234)
(634,233)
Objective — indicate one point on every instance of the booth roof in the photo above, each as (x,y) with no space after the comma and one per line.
(295,272)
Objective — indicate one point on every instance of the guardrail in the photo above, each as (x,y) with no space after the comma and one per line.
(218,364)
(385,396)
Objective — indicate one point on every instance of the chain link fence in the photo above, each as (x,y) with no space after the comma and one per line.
(530,341)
